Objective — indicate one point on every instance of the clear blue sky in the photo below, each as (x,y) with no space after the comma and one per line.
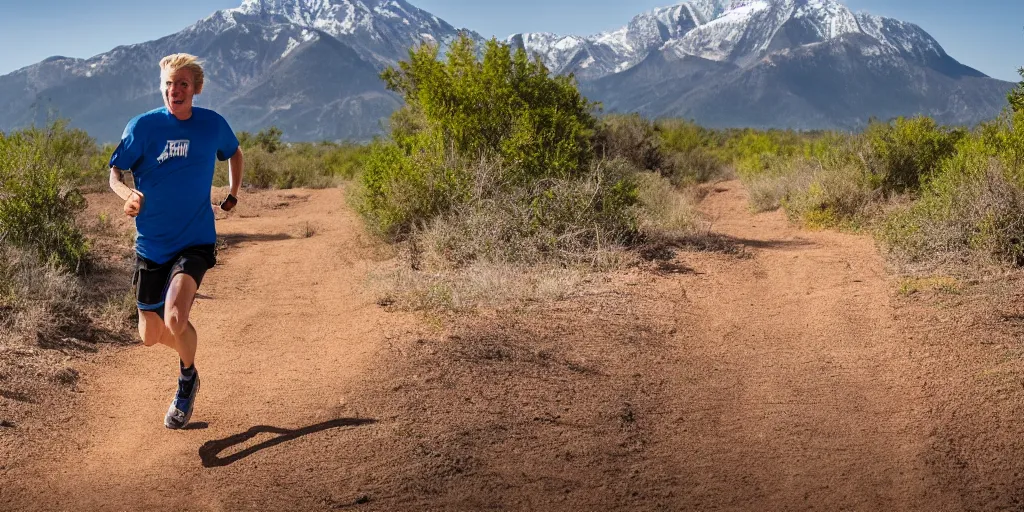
(985,34)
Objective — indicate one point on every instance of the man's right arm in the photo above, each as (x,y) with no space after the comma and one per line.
(133,199)
(117,184)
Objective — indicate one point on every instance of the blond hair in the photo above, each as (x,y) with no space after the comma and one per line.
(172,63)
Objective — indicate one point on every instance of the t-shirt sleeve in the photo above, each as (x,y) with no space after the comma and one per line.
(128,154)
(227,142)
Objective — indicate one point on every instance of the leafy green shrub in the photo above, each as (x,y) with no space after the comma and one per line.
(972,209)
(298,165)
(268,140)
(1016,95)
(504,104)
(39,170)
(691,153)
(345,160)
(679,136)
(752,151)
(905,151)
(402,190)
(261,169)
(475,131)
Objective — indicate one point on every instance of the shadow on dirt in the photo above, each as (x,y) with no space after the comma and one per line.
(210,451)
(664,249)
(232,239)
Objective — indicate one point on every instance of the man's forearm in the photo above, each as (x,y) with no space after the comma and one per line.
(117,184)
(235,165)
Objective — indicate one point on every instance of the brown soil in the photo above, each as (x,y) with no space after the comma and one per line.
(788,376)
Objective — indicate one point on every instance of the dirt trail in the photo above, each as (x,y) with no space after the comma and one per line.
(801,389)
(786,380)
(285,324)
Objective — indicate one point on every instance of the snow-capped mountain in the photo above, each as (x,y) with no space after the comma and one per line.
(805,64)
(308,66)
(735,31)
(381,31)
(311,68)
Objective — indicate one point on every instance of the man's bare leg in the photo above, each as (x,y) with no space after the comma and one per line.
(177,307)
(180,295)
(153,331)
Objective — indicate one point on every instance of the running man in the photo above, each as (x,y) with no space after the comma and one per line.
(171,154)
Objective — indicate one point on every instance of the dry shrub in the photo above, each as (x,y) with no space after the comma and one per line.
(974,223)
(666,212)
(770,190)
(494,254)
(33,296)
(817,195)
(479,285)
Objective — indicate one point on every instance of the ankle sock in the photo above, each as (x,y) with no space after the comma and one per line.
(187,373)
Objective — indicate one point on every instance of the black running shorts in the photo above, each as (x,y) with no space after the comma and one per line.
(151,280)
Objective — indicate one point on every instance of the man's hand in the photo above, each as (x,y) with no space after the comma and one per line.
(134,203)
(229,203)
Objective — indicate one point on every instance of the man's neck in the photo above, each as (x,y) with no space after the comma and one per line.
(185,116)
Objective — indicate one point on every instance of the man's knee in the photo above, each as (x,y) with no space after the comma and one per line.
(151,328)
(175,320)
(179,303)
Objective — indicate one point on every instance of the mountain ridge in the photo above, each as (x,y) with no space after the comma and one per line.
(311,68)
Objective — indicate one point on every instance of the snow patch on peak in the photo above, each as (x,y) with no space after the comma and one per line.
(735,29)
(831,18)
(901,36)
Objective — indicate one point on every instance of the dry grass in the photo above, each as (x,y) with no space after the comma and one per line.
(479,286)
(944,284)
(50,319)
(468,262)
(975,229)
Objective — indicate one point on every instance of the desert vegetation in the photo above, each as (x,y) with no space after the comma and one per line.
(494,170)
(494,165)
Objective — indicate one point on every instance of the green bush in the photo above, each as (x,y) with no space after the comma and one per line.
(971,210)
(39,198)
(298,165)
(1016,95)
(345,160)
(504,105)
(752,151)
(906,151)
(268,140)
(477,130)
(402,190)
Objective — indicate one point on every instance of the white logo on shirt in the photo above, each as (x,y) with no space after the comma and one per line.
(175,148)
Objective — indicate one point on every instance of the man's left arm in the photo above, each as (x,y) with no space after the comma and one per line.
(235,165)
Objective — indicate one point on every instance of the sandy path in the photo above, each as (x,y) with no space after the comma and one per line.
(788,380)
(285,325)
(799,387)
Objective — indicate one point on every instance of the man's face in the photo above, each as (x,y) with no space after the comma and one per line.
(178,89)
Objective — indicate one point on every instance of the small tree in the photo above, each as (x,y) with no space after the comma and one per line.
(1016,96)
(504,105)
(502,108)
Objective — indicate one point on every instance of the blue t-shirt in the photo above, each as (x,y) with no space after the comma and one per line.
(173,162)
